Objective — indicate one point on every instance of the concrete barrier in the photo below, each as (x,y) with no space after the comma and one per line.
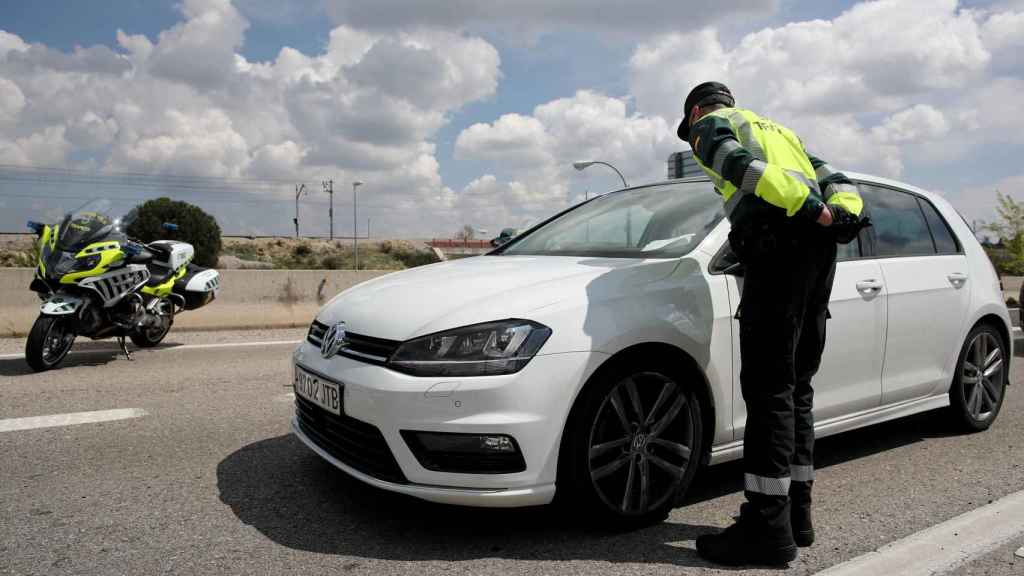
(248,299)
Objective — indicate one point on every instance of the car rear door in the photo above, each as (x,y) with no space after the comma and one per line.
(928,288)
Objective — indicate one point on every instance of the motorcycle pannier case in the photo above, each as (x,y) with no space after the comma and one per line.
(199,286)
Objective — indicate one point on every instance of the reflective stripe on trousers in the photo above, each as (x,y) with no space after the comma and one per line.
(801,473)
(765,485)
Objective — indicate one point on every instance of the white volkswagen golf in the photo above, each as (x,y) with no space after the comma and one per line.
(596,354)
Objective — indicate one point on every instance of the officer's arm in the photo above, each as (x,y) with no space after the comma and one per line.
(719,152)
(837,189)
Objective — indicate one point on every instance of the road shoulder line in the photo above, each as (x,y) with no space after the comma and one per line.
(54,420)
(944,546)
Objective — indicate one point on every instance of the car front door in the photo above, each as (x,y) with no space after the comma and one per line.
(926,279)
(849,379)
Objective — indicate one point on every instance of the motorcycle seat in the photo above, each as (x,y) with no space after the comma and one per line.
(140,257)
(158,275)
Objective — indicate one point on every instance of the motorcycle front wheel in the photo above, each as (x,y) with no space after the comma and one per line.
(49,342)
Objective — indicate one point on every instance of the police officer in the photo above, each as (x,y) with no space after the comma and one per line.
(787,210)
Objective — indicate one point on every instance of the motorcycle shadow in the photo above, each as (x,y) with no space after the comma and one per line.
(95,357)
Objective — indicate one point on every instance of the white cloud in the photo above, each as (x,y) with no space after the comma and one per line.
(367,107)
(605,16)
(533,155)
(858,88)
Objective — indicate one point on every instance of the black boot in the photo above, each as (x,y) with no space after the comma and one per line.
(800,513)
(751,540)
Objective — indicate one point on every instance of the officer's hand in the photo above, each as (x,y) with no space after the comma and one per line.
(825,218)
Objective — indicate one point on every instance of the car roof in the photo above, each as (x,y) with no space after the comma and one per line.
(867,178)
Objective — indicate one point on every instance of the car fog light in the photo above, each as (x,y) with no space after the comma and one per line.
(466,453)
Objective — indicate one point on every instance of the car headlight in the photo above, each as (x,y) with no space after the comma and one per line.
(488,349)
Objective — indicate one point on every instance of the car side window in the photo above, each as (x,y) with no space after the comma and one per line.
(899,224)
(944,241)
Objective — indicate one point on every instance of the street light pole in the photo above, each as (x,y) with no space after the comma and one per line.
(355,226)
(298,192)
(329,188)
(586,164)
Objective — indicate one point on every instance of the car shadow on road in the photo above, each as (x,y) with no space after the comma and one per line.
(294,498)
(290,495)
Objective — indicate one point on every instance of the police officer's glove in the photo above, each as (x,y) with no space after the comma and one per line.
(845,226)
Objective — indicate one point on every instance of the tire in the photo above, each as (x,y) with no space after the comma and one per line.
(602,466)
(975,397)
(42,352)
(148,338)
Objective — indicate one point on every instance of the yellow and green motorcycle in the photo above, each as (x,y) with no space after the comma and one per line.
(95,281)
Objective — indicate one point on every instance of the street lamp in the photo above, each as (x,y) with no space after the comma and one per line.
(355,227)
(583,165)
(298,192)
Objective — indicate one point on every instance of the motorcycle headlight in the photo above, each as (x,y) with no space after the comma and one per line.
(87,262)
(489,349)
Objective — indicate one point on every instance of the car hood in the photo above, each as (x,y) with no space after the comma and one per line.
(436,297)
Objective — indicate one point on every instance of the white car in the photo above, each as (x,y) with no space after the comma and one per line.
(597,356)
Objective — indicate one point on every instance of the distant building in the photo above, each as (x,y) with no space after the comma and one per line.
(682,165)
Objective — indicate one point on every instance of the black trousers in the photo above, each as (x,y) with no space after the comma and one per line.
(789,270)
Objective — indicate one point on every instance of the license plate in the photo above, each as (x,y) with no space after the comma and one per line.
(318,390)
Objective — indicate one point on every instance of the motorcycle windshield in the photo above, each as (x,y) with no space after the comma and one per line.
(92,222)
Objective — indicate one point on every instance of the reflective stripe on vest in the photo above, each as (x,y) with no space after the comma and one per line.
(787,155)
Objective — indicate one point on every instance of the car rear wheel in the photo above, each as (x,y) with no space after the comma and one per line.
(633,447)
(980,381)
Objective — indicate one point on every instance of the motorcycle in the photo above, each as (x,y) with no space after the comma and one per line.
(95,281)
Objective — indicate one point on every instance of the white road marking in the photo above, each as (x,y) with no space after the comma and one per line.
(285,397)
(30,423)
(1020,552)
(182,347)
(944,546)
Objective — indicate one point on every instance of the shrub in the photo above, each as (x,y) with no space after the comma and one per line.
(194,226)
(302,250)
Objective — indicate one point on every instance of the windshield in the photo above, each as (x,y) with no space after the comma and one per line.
(663,221)
(92,221)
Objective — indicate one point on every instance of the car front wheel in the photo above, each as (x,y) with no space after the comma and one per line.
(633,447)
(980,381)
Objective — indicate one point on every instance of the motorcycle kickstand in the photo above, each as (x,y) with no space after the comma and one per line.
(124,348)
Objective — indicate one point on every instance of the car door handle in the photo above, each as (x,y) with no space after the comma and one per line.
(957,279)
(869,287)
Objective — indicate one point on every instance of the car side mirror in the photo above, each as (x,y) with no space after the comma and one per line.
(726,262)
(734,269)
(36,227)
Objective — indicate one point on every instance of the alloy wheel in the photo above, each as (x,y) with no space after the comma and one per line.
(641,443)
(57,342)
(982,376)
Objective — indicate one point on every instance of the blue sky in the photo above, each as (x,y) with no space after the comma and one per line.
(493,146)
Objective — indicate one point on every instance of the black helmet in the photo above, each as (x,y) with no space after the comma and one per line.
(705,94)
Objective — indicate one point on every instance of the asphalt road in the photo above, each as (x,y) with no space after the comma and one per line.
(210,481)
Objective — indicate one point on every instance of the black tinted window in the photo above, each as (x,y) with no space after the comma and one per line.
(899,224)
(944,242)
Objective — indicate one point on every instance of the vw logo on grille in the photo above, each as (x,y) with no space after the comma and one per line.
(334,340)
(639,441)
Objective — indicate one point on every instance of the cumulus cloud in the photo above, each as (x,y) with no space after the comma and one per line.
(187,102)
(607,16)
(858,88)
(533,154)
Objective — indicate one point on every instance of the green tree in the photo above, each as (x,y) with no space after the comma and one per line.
(1009,228)
(194,226)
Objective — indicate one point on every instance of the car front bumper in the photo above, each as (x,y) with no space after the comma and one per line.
(531,406)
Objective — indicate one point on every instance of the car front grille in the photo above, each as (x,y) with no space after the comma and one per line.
(359,347)
(353,442)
